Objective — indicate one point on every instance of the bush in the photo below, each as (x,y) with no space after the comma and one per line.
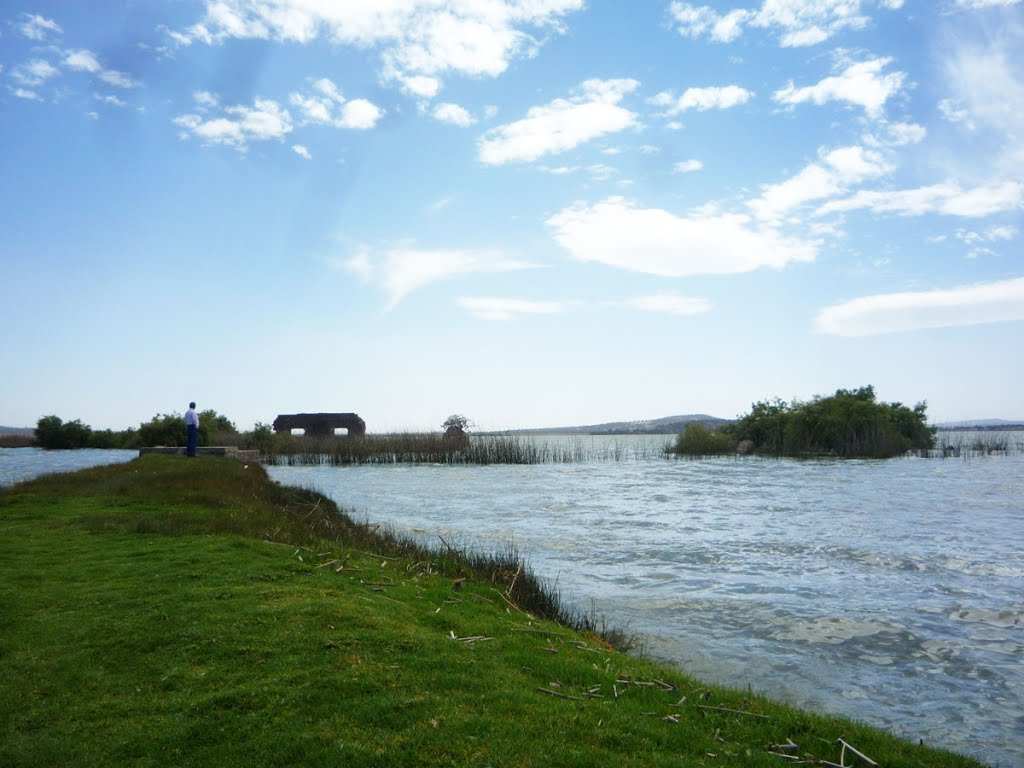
(53,433)
(849,424)
(163,429)
(698,440)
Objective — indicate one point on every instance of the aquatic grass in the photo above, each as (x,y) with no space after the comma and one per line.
(968,444)
(435,448)
(16,440)
(172,612)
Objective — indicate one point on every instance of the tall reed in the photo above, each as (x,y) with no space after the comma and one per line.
(434,448)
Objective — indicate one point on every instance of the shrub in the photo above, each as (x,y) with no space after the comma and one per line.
(850,423)
(53,432)
(699,440)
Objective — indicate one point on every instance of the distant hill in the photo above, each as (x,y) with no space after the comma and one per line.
(668,425)
(981,424)
(17,430)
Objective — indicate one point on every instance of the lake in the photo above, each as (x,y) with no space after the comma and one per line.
(17,464)
(888,591)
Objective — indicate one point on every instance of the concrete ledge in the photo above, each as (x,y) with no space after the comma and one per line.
(224,451)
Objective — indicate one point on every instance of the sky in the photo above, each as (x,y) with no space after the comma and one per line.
(532,212)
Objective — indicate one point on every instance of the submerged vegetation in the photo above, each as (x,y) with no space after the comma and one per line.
(848,424)
(172,612)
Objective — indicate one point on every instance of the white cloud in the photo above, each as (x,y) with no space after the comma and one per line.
(86,61)
(977,4)
(688,166)
(82,61)
(715,97)
(508,309)
(327,106)
(836,171)
(418,40)
(985,82)
(302,151)
(561,125)
(360,114)
(401,271)
(118,79)
(900,134)
(994,234)
(37,27)
(947,198)
(996,302)
(695,21)
(862,84)
(239,125)
(955,112)
(206,99)
(421,85)
(110,99)
(797,22)
(454,115)
(659,242)
(35,72)
(668,304)
(27,95)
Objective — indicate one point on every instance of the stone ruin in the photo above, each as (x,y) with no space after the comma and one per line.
(321,424)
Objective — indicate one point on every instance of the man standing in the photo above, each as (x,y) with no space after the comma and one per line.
(192,427)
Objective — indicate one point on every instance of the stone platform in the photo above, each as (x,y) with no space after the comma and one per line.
(224,451)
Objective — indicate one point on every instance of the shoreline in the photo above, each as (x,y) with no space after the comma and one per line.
(449,644)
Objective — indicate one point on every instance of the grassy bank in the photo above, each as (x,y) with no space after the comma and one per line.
(170,612)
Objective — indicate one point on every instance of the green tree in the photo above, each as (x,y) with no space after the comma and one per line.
(261,438)
(456,422)
(52,432)
(849,423)
(163,429)
(215,428)
(49,432)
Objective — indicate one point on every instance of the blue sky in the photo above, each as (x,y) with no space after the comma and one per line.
(533,212)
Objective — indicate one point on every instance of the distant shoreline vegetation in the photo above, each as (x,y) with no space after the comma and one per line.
(849,424)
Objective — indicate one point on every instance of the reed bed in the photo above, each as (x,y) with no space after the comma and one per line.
(966,445)
(431,448)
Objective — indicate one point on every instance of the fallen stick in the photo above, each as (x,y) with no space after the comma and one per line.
(788,745)
(511,603)
(382,557)
(559,695)
(324,565)
(510,586)
(734,711)
(857,752)
(539,631)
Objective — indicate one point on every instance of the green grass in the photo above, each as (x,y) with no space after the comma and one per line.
(170,612)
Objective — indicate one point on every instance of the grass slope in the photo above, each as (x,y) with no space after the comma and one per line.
(170,612)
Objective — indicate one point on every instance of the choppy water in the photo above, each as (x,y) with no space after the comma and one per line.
(889,591)
(17,464)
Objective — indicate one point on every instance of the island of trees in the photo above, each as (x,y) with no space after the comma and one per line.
(849,424)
